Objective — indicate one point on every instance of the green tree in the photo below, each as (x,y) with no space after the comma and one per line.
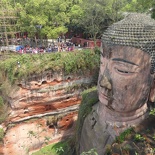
(8,20)
(48,18)
(51,18)
(92,18)
(141,6)
(97,15)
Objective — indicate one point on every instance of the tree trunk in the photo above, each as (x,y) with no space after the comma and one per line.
(94,38)
(35,40)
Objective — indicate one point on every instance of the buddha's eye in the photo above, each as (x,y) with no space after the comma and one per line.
(123,71)
(123,68)
(126,72)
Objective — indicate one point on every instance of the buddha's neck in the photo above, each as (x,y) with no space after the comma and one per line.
(125,118)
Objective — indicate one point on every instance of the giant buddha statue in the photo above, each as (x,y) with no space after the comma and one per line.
(125,82)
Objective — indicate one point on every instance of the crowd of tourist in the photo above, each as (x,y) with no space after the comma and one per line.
(52,47)
(27,45)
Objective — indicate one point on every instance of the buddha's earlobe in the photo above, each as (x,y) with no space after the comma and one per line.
(152,92)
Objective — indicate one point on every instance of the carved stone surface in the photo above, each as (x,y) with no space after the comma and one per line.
(125,85)
(136,30)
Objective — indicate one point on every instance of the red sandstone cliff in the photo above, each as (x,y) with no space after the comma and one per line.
(46,105)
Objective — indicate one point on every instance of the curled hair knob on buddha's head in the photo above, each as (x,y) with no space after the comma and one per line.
(135,30)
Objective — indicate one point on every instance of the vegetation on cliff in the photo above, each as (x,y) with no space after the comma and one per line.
(3,109)
(18,66)
(89,98)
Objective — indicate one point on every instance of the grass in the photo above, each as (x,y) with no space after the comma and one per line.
(61,148)
(47,150)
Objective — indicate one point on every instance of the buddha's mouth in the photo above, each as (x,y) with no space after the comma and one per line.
(104,96)
(105,93)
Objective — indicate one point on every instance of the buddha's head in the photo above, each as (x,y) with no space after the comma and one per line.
(126,78)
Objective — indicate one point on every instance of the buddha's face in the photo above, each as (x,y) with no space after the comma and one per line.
(124,80)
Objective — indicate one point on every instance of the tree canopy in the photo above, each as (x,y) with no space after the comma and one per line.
(99,14)
(51,18)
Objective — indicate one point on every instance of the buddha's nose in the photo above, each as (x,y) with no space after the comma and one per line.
(105,82)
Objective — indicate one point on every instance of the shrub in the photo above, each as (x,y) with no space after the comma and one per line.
(3,110)
(70,62)
(1,134)
(139,137)
(90,152)
(123,135)
(152,112)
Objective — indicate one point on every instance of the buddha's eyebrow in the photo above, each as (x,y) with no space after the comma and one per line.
(126,61)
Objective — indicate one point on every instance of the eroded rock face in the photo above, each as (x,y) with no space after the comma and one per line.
(46,105)
(46,93)
(28,136)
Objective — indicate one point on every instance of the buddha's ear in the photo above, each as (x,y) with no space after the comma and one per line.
(152,92)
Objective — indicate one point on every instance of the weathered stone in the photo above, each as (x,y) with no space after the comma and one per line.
(46,105)
(125,84)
